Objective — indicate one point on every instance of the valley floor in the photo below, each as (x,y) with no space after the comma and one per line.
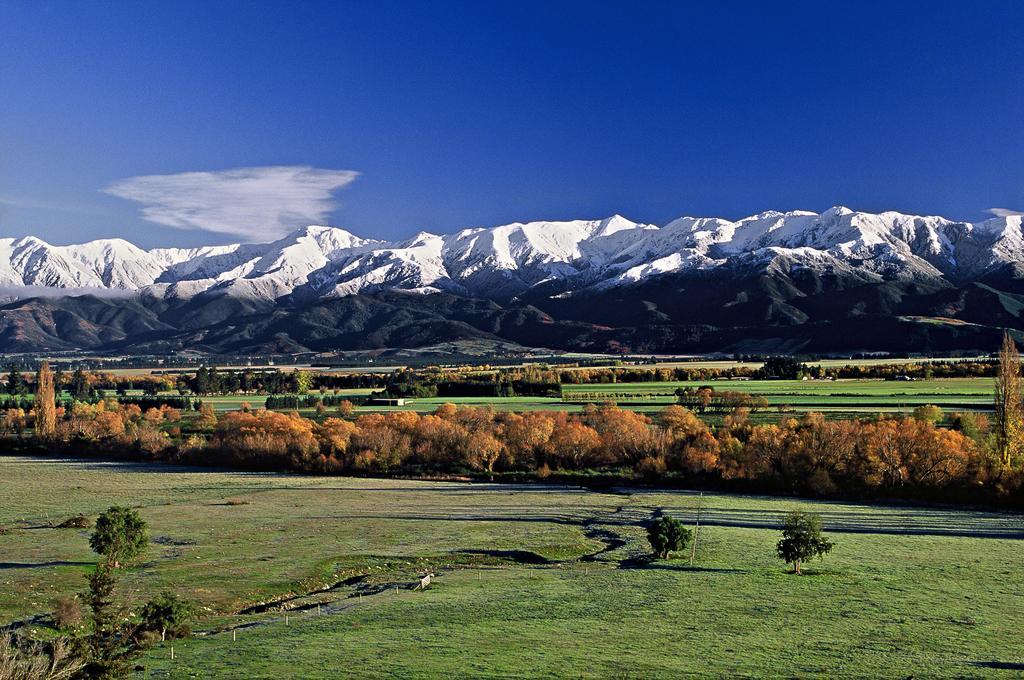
(531,581)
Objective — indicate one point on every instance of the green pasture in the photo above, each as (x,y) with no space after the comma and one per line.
(531,581)
(952,393)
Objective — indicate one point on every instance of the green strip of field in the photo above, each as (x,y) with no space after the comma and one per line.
(908,591)
(952,393)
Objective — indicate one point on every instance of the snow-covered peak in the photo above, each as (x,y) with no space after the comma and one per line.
(508,260)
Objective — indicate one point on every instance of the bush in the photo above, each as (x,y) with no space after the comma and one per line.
(76,522)
(31,660)
(67,613)
(167,615)
(928,414)
(666,535)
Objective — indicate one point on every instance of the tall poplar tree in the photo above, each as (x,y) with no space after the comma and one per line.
(45,406)
(1009,425)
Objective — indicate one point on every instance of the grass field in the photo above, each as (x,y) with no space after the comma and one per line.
(840,398)
(536,581)
(824,394)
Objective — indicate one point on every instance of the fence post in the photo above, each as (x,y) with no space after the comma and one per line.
(696,529)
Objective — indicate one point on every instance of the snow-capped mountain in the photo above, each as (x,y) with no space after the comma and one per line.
(794,281)
(507,261)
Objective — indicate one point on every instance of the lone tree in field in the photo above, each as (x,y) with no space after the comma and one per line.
(167,615)
(667,534)
(45,406)
(120,534)
(1009,416)
(802,539)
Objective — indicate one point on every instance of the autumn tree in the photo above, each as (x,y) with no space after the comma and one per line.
(13,421)
(525,435)
(928,414)
(1009,410)
(267,438)
(207,417)
(484,450)
(45,406)
(802,539)
(334,435)
(626,436)
(573,444)
(303,381)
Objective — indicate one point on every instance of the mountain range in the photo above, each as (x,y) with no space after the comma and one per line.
(840,280)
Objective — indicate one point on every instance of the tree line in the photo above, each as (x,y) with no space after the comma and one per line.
(910,457)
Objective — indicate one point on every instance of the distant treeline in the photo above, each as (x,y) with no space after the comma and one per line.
(160,401)
(295,401)
(535,380)
(448,384)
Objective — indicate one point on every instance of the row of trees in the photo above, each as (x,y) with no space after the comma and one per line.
(901,456)
(896,456)
(909,457)
(532,380)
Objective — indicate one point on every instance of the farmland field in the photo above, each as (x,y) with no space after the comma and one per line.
(839,398)
(965,393)
(539,581)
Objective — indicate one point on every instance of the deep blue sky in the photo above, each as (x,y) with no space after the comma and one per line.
(480,113)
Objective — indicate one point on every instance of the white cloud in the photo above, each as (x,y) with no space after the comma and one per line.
(258,204)
(1004,212)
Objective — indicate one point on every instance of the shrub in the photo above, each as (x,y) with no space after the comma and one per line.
(651,467)
(928,414)
(67,613)
(167,615)
(76,522)
(31,660)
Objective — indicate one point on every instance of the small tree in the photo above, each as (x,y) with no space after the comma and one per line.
(120,534)
(303,381)
(802,539)
(666,535)
(167,615)
(207,419)
(928,414)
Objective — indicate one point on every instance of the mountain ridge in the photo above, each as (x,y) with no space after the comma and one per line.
(506,261)
(776,281)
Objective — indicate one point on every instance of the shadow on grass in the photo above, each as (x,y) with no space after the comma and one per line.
(809,573)
(517,556)
(903,525)
(999,665)
(663,565)
(39,565)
